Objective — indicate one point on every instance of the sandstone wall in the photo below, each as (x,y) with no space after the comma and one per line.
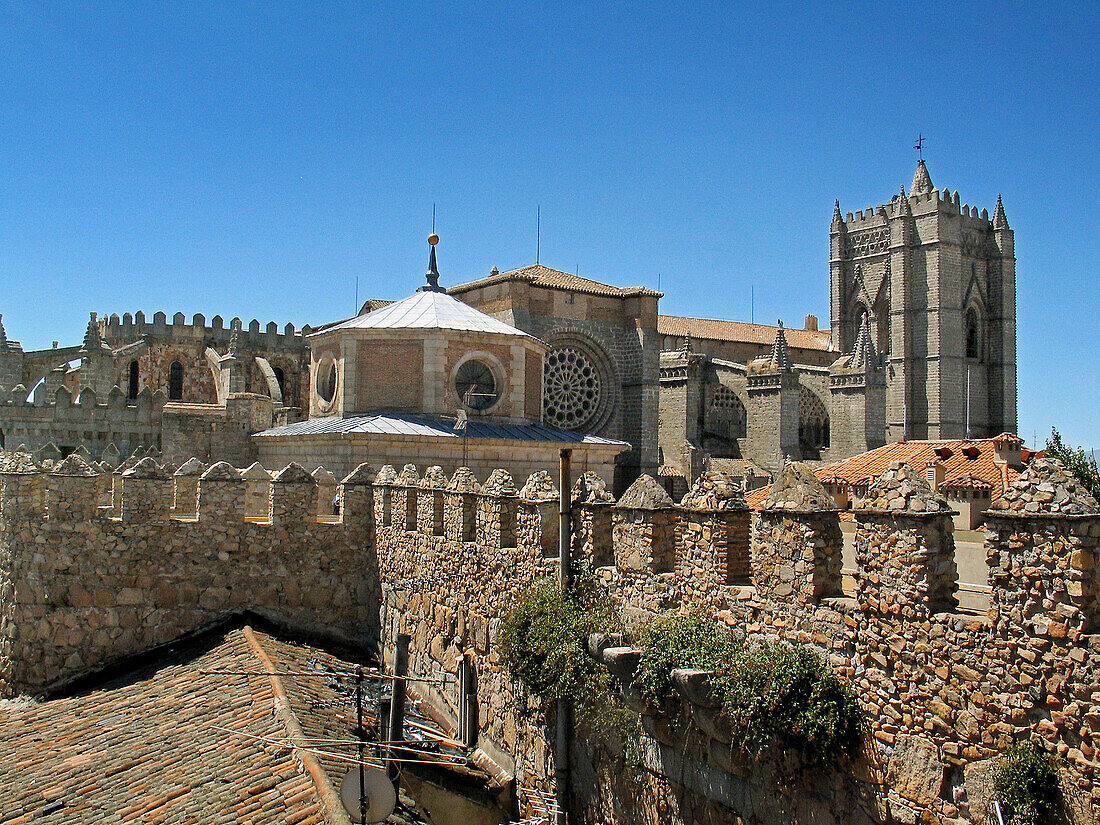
(83,585)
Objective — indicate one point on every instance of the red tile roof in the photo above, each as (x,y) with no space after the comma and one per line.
(960,470)
(554,279)
(201,734)
(740,332)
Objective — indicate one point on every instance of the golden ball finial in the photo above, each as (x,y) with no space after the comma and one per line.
(433,239)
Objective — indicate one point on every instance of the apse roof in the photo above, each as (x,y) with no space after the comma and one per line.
(429,310)
(422,425)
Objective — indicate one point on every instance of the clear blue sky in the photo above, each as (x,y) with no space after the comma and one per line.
(252,159)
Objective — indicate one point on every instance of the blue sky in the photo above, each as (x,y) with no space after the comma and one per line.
(253,159)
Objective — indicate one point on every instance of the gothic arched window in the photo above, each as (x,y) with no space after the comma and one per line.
(175,381)
(973,334)
(132,386)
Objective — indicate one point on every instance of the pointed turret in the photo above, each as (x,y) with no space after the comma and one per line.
(433,268)
(93,342)
(781,354)
(234,339)
(837,220)
(903,204)
(922,183)
(999,219)
(864,351)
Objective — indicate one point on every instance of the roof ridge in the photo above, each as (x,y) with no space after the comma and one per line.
(326,793)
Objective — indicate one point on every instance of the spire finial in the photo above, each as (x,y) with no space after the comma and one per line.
(836,212)
(433,268)
(999,219)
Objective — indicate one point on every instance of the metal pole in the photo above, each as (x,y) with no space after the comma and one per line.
(463,675)
(565,521)
(397,699)
(968,402)
(565,580)
(359,733)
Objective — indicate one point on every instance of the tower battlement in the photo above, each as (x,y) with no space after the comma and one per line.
(116,328)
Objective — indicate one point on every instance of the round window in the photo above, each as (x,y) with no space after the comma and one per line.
(326,379)
(571,388)
(476,385)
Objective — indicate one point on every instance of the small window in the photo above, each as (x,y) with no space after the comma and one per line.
(132,387)
(175,381)
(326,379)
(476,385)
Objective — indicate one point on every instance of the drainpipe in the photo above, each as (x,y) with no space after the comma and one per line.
(565,580)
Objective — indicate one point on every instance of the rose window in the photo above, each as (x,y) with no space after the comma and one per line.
(571,393)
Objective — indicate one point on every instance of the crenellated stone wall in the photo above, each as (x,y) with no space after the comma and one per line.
(85,584)
(943,690)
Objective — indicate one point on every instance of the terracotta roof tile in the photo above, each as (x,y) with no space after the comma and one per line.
(738,331)
(960,471)
(555,279)
(144,749)
(147,747)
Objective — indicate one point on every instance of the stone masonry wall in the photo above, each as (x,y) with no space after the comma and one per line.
(82,585)
(943,692)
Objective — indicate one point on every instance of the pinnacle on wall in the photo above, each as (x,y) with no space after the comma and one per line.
(93,341)
(837,220)
(922,182)
(863,353)
(999,220)
(234,338)
(903,205)
(3,335)
(781,354)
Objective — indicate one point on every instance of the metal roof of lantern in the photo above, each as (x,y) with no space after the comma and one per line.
(429,308)
(407,424)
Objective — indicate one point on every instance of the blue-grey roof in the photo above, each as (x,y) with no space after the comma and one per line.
(428,310)
(421,425)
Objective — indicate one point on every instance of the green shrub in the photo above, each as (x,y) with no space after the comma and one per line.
(778,694)
(1026,784)
(1077,461)
(671,642)
(542,644)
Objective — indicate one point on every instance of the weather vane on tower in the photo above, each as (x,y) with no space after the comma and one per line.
(919,146)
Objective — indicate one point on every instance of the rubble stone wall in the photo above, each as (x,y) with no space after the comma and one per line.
(83,585)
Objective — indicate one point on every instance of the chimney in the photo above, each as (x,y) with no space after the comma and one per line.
(811,323)
(934,473)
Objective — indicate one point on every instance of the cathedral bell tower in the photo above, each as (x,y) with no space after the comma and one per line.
(935,283)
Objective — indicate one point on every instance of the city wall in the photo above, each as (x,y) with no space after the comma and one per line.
(91,574)
(943,691)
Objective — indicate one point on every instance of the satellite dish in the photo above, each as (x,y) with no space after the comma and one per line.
(377,791)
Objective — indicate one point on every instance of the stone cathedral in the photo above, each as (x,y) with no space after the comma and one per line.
(921,345)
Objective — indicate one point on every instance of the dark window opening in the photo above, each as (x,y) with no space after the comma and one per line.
(175,381)
(132,388)
(973,339)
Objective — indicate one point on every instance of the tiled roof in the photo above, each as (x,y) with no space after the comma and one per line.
(740,332)
(961,471)
(192,737)
(554,278)
(407,424)
(428,310)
